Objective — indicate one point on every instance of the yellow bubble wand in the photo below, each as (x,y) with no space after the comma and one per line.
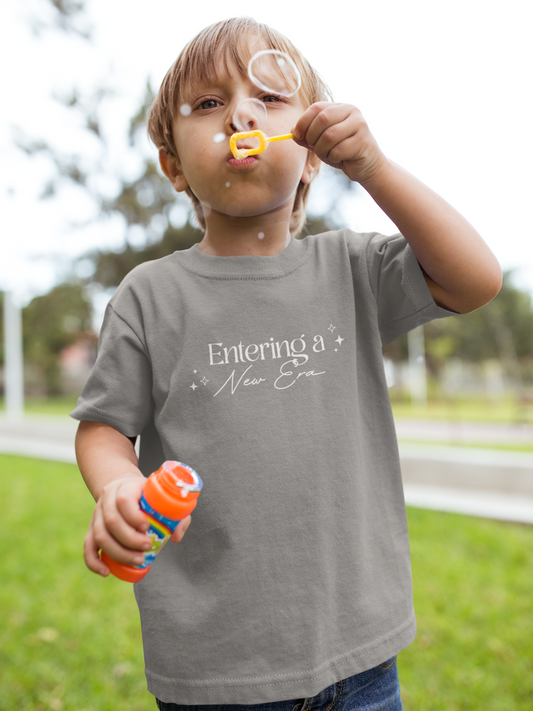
(264,140)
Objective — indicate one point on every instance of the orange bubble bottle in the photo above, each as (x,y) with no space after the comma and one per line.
(169,496)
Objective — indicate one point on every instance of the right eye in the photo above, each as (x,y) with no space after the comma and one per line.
(209,104)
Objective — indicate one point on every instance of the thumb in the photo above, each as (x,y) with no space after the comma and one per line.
(181,529)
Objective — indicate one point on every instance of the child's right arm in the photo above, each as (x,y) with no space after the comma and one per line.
(109,466)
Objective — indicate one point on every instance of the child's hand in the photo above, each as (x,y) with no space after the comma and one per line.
(340,137)
(118,526)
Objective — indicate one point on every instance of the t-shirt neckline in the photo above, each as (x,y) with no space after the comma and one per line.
(245,266)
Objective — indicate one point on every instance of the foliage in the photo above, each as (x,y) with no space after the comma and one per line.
(71,640)
(52,322)
(67,16)
(501,330)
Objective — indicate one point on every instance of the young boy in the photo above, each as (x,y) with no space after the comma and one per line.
(256,359)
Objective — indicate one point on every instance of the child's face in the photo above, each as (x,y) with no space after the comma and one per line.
(255,186)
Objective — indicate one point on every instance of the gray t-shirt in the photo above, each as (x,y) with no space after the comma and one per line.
(265,375)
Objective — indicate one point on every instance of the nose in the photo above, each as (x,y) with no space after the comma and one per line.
(246,123)
(230,125)
(244,115)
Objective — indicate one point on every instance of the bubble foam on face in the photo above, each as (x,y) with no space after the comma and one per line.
(219,137)
(185,110)
(261,235)
(274,71)
(228,184)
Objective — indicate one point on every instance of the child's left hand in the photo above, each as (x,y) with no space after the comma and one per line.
(340,137)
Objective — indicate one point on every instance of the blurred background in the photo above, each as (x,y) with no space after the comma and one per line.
(446,90)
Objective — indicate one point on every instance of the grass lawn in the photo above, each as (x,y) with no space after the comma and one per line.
(473,589)
(71,640)
(507,411)
(520,447)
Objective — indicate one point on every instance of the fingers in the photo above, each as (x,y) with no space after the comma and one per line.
(127,549)
(299,132)
(121,513)
(91,557)
(338,126)
(181,529)
(340,137)
(117,527)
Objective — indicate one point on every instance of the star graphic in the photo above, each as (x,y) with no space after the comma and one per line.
(194,371)
(194,386)
(331,327)
(204,380)
(336,349)
(339,340)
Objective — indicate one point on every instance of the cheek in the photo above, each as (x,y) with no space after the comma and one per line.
(291,161)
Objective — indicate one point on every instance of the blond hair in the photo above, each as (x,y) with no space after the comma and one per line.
(227,42)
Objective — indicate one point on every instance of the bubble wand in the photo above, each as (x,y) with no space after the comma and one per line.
(263,139)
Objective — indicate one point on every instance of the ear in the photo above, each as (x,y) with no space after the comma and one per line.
(310,168)
(170,166)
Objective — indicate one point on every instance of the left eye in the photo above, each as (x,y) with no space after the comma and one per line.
(271,98)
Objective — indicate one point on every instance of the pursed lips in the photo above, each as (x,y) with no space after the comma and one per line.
(248,160)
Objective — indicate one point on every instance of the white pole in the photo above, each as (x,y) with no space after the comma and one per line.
(14,368)
(417,366)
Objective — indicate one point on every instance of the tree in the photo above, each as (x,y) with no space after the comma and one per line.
(50,323)
(500,330)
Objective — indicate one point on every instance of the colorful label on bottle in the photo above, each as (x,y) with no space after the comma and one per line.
(159,531)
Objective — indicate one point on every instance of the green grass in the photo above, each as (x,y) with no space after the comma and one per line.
(473,589)
(507,411)
(70,640)
(518,447)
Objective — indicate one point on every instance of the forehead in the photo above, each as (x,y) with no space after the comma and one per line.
(208,65)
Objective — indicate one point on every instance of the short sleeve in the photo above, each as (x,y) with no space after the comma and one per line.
(119,389)
(403,298)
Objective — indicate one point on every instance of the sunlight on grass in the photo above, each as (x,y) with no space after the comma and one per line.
(71,640)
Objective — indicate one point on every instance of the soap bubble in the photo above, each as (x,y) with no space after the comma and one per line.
(185,110)
(261,235)
(219,137)
(250,114)
(272,70)
(228,184)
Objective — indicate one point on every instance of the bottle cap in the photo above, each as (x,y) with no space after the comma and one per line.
(183,477)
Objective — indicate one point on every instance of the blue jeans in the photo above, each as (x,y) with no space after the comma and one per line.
(376,689)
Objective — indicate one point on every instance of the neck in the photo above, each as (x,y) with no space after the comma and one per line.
(245,236)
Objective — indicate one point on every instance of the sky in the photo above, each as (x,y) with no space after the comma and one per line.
(444,87)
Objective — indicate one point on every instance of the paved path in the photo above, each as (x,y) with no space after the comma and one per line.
(479,482)
(41,437)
